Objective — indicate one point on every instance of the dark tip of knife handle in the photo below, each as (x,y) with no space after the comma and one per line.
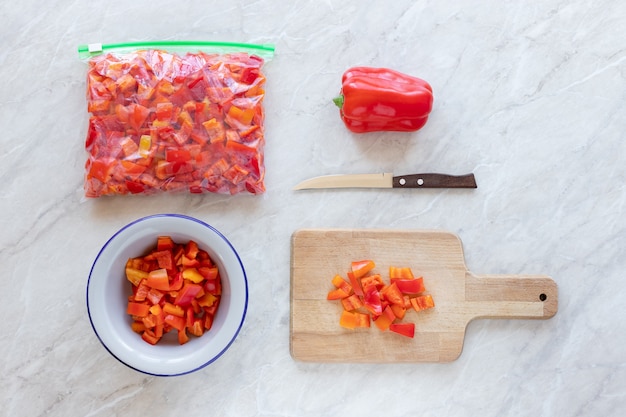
(434,181)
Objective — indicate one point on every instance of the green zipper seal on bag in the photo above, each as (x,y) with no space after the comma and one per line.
(93,49)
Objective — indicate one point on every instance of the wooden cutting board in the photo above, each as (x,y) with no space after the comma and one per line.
(460,296)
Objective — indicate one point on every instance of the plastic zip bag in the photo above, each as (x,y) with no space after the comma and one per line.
(175,116)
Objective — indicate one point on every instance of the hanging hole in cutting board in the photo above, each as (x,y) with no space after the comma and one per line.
(543,297)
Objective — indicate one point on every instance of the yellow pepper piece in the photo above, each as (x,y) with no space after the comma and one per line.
(169,308)
(244,116)
(145,143)
(135,275)
(193,275)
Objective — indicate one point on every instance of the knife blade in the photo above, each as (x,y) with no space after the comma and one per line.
(388,180)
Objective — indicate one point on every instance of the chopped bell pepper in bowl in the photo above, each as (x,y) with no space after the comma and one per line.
(167,295)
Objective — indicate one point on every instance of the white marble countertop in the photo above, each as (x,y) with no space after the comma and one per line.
(531,98)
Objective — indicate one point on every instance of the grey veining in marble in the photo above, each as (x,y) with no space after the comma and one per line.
(530,96)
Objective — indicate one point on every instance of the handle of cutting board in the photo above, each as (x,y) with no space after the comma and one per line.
(512,296)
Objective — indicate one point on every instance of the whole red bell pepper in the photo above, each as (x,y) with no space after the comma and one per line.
(381,99)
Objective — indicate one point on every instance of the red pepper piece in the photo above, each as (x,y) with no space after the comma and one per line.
(410,286)
(405,329)
(188,292)
(361,268)
(138,309)
(381,99)
(371,300)
(356,284)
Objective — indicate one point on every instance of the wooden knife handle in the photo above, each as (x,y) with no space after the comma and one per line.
(434,181)
(512,296)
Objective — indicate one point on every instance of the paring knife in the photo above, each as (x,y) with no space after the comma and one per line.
(387,180)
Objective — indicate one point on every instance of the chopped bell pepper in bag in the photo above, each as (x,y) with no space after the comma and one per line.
(165,121)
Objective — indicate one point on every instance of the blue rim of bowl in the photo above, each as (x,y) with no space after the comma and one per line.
(214,230)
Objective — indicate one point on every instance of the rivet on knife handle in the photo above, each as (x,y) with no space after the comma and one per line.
(434,181)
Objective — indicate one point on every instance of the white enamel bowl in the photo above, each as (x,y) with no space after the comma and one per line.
(108,291)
